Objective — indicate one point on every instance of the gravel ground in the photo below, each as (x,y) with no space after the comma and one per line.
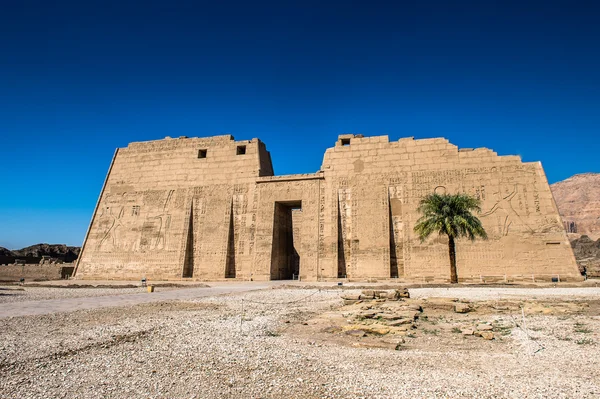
(13,293)
(208,348)
(490,293)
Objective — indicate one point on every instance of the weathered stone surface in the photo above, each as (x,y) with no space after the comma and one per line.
(356,333)
(462,308)
(391,295)
(484,327)
(399,322)
(489,335)
(210,208)
(385,316)
(441,303)
(467,331)
(368,315)
(410,314)
(376,328)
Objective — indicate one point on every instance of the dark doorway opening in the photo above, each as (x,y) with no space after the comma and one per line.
(285,259)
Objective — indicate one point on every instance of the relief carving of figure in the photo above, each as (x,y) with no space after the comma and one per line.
(503,208)
(109,227)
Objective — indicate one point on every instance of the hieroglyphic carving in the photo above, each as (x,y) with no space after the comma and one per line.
(396,199)
(505,213)
(252,232)
(153,202)
(321,236)
(344,197)
(143,226)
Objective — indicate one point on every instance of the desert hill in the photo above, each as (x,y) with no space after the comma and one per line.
(6,252)
(61,251)
(578,201)
(34,253)
(587,252)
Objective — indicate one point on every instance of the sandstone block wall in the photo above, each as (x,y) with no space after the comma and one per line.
(378,186)
(210,208)
(35,272)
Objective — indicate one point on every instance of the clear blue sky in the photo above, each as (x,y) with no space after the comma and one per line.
(78,79)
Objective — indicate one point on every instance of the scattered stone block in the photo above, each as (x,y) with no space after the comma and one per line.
(484,327)
(462,308)
(467,331)
(400,322)
(412,315)
(367,294)
(441,303)
(377,329)
(386,316)
(415,306)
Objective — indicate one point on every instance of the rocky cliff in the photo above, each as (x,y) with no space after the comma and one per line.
(578,201)
(587,252)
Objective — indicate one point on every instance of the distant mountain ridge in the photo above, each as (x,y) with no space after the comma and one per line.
(34,253)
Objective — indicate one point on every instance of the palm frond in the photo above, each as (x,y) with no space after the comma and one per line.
(449,214)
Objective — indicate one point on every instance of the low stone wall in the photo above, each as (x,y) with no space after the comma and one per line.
(35,272)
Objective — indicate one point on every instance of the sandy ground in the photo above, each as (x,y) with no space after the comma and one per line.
(15,293)
(278,343)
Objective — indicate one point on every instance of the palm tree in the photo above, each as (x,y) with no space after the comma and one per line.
(450,214)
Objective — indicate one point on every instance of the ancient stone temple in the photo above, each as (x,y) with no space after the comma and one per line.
(211,209)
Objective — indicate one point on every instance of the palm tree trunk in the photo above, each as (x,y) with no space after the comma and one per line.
(452,253)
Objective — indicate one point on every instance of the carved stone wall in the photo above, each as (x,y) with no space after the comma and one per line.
(379,185)
(166,210)
(210,208)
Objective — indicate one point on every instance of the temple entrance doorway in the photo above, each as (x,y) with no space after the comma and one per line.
(285,256)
